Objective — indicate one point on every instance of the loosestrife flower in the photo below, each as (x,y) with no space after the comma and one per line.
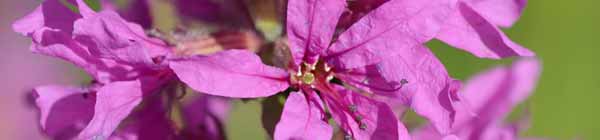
(473,27)
(126,65)
(490,96)
(345,78)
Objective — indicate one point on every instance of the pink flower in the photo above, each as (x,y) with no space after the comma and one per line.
(127,66)
(380,56)
(473,27)
(489,97)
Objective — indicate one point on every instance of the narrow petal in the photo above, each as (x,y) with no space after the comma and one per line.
(466,29)
(418,79)
(64,110)
(233,73)
(503,13)
(310,26)
(385,31)
(302,119)
(114,102)
(204,118)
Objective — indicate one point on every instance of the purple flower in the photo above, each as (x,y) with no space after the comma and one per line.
(126,65)
(488,98)
(473,27)
(380,56)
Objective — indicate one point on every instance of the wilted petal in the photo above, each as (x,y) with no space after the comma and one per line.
(204,118)
(423,83)
(64,110)
(387,30)
(466,29)
(310,26)
(114,102)
(233,73)
(303,118)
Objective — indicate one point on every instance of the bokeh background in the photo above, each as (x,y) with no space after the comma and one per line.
(564,34)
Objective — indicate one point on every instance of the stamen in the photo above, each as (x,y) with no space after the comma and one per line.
(347,137)
(329,77)
(308,78)
(403,81)
(352,108)
(358,118)
(363,126)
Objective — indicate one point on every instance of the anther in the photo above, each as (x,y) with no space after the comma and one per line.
(327,68)
(403,81)
(347,137)
(352,108)
(308,78)
(329,77)
(358,118)
(363,126)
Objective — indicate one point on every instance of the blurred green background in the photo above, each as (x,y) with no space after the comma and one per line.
(562,33)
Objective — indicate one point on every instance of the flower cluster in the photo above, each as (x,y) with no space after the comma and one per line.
(346,69)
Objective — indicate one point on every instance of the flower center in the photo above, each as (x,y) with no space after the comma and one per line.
(310,74)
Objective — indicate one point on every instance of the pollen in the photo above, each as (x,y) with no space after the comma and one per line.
(308,78)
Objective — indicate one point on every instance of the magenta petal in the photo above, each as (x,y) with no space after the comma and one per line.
(302,118)
(151,121)
(503,13)
(469,31)
(108,35)
(114,102)
(310,26)
(423,83)
(387,30)
(494,93)
(137,11)
(379,119)
(205,117)
(45,16)
(233,73)
(64,110)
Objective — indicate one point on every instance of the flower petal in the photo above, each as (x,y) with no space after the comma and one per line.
(108,35)
(310,27)
(303,119)
(114,102)
(466,29)
(137,11)
(150,122)
(233,73)
(494,93)
(385,31)
(204,118)
(419,80)
(45,16)
(503,13)
(64,110)
(376,118)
